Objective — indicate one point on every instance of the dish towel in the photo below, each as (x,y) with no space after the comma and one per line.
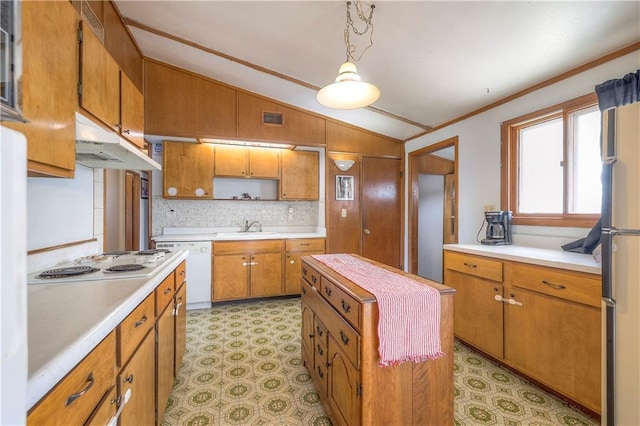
(409,312)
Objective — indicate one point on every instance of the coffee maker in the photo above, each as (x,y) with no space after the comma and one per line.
(498,228)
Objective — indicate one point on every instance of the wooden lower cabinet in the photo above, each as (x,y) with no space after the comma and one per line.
(294,250)
(138,376)
(340,350)
(165,352)
(106,410)
(180,326)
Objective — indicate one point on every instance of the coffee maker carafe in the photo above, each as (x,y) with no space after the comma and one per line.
(498,228)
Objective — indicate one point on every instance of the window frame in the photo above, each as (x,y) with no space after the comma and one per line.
(509,131)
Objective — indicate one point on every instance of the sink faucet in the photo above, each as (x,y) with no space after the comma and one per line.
(247,226)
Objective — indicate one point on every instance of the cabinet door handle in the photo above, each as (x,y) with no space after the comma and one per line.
(345,306)
(470,265)
(129,378)
(320,351)
(314,279)
(305,244)
(90,381)
(344,338)
(320,373)
(142,321)
(328,291)
(554,286)
(304,271)
(304,290)
(167,291)
(126,131)
(320,332)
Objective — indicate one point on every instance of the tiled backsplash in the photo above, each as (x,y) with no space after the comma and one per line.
(232,213)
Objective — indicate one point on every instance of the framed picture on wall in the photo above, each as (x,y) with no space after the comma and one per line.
(144,188)
(344,187)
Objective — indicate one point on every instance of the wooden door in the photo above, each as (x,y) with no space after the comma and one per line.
(187,170)
(181,327)
(230,161)
(165,346)
(132,211)
(266,274)
(139,376)
(131,111)
(344,225)
(477,317)
(264,163)
(342,386)
(557,342)
(230,277)
(299,177)
(381,210)
(100,78)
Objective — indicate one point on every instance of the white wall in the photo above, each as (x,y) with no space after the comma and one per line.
(430,226)
(479,150)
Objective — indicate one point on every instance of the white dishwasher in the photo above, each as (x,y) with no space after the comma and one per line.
(198,271)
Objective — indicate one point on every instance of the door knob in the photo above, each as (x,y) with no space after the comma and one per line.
(366,231)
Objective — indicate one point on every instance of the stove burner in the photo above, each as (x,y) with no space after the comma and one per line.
(115,253)
(125,268)
(152,251)
(67,272)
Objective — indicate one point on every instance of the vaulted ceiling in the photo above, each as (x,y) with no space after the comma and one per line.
(432,61)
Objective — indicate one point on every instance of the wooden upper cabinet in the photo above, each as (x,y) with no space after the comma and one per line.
(187,170)
(179,103)
(240,161)
(100,79)
(300,175)
(345,138)
(119,43)
(49,78)
(131,111)
(261,119)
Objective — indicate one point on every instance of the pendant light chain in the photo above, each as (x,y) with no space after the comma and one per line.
(351,27)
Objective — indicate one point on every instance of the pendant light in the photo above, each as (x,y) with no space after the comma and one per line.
(349,91)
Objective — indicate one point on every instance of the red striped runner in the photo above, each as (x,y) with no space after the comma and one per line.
(409,312)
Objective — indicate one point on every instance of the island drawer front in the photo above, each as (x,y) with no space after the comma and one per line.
(473,265)
(165,292)
(311,275)
(181,274)
(347,338)
(73,400)
(346,305)
(307,244)
(247,247)
(133,328)
(573,287)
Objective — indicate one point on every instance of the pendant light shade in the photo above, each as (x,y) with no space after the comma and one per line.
(348,91)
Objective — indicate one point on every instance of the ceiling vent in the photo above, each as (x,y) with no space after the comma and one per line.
(89,18)
(273,118)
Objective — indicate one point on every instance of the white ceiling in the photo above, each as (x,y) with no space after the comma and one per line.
(432,61)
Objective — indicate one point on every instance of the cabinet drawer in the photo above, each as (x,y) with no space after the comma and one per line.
(474,265)
(574,287)
(311,275)
(181,274)
(73,400)
(319,331)
(247,247)
(345,336)
(134,327)
(165,292)
(307,244)
(346,305)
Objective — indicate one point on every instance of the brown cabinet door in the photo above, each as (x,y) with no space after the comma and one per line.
(477,316)
(181,327)
(299,175)
(231,161)
(100,78)
(139,376)
(264,163)
(49,87)
(557,342)
(188,169)
(230,277)
(107,409)
(307,327)
(131,111)
(381,210)
(165,346)
(342,386)
(266,274)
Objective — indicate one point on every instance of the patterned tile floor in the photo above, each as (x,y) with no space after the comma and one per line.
(242,367)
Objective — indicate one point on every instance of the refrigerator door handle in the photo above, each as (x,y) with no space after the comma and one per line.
(609,154)
(625,232)
(609,302)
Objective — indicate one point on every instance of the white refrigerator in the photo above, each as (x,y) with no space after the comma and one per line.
(621,266)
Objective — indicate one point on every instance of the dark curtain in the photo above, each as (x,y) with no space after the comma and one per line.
(619,92)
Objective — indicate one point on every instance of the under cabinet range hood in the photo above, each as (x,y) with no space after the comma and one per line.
(100,148)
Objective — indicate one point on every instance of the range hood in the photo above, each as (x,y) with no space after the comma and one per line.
(100,148)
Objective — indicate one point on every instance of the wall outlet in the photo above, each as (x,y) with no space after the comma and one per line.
(171,213)
(344,213)
(489,207)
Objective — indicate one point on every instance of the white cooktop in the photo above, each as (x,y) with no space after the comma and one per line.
(151,261)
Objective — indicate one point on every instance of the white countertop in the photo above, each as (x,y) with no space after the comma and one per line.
(537,256)
(232,234)
(67,320)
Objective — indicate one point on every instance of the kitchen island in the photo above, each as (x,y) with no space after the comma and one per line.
(67,321)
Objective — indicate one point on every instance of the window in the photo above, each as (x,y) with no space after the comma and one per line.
(551,165)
